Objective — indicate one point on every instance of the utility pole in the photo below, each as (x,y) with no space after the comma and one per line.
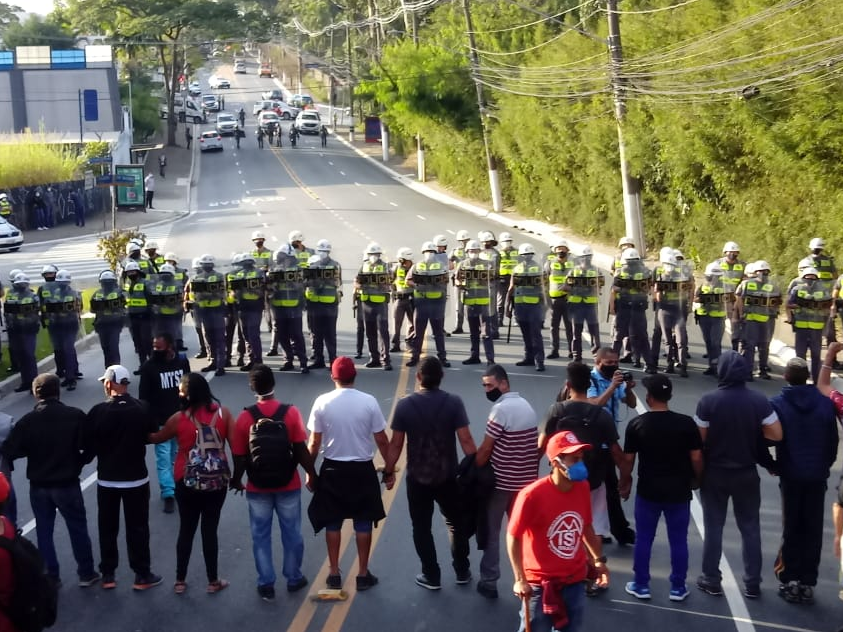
(350,85)
(331,85)
(494,179)
(633,218)
(298,55)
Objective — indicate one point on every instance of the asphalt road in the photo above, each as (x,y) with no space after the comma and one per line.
(335,194)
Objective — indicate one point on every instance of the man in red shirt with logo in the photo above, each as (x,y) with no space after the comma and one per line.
(550,541)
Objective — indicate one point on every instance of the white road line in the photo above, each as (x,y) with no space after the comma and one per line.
(393,204)
(239,172)
(373,194)
(330,163)
(357,184)
(421,217)
(449,231)
(342,173)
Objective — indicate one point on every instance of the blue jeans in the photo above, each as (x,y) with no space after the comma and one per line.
(677,516)
(165,458)
(574,597)
(287,506)
(69,503)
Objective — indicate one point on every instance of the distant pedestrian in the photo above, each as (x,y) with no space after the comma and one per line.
(188,135)
(323,134)
(237,134)
(259,135)
(149,187)
(162,164)
(347,425)
(222,102)
(77,199)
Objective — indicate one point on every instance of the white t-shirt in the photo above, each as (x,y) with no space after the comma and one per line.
(347,419)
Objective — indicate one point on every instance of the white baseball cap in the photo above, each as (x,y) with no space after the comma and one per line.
(115,373)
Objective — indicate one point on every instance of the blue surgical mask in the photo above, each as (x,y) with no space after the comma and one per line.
(577,472)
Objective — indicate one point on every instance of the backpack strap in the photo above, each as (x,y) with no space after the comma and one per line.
(279,414)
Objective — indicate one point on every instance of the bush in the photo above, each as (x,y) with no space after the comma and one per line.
(29,160)
(112,247)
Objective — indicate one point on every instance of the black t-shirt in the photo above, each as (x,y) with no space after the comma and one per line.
(663,441)
(116,432)
(430,419)
(592,424)
(159,385)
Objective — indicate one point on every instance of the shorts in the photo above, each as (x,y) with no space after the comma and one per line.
(360,526)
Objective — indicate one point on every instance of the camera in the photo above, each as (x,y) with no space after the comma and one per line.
(627,376)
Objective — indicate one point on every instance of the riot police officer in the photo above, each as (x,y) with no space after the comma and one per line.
(710,314)
(475,276)
(507,260)
(108,303)
(624,243)
(232,320)
(303,253)
(373,286)
(672,292)
(181,277)
(556,270)
(165,301)
(249,287)
(441,243)
(628,300)
(429,280)
(190,306)
(139,310)
(62,311)
(5,206)
(285,287)
(323,280)
(155,259)
(44,292)
(133,253)
(457,255)
(758,302)
(209,291)
(808,307)
(583,287)
(22,313)
(491,254)
(264,261)
(402,295)
(826,269)
(526,293)
(733,272)
(13,365)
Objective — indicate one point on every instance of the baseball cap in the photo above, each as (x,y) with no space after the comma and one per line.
(564,442)
(658,386)
(46,385)
(343,369)
(115,373)
(4,488)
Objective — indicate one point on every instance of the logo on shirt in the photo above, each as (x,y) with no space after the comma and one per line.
(564,533)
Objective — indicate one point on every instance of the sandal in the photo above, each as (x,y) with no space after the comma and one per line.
(215,587)
(180,587)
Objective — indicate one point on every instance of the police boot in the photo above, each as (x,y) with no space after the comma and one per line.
(203,353)
(272,352)
(670,367)
(180,345)
(240,362)
(554,354)
(287,366)
(764,374)
(711,370)
(683,370)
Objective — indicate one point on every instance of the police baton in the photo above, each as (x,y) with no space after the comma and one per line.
(509,325)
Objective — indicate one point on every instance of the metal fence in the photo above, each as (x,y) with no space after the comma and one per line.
(61,206)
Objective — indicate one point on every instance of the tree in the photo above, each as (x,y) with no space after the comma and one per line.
(37,31)
(8,15)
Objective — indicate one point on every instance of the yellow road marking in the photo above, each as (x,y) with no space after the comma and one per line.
(293,175)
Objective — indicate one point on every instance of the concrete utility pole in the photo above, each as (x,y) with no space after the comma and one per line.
(350,86)
(494,179)
(633,218)
(298,55)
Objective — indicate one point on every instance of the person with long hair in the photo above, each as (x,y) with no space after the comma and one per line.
(200,411)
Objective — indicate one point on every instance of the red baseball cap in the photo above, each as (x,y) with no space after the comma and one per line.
(564,442)
(343,370)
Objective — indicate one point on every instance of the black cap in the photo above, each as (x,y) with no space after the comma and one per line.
(658,386)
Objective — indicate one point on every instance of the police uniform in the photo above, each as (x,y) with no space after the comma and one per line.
(475,278)
(710,315)
(492,255)
(373,284)
(62,313)
(429,280)
(209,291)
(583,287)
(457,255)
(140,315)
(758,301)
(5,207)
(285,288)
(631,287)
(810,305)
(404,307)
(323,280)
(44,293)
(22,313)
(232,321)
(165,301)
(507,260)
(181,277)
(264,261)
(108,303)
(249,289)
(733,274)
(556,272)
(527,297)
(826,276)
(673,290)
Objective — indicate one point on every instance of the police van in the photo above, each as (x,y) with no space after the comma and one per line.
(185,108)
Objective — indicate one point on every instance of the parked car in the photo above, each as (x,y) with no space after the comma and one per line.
(265,71)
(273,95)
(261,106)
(285,111)
(267,118)
(210,103)
(185,109)
(308,122)
(11,237)
(302,101)
(240,67)
(194,89)
(210,140)
(226,124)
(219,83)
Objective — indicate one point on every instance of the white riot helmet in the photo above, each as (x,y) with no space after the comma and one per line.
(428,246)
(295,236)
(462,235)
(665,253)
(626,240)
(247,258)
(678,255)
(20,279)
(473,245)
(63,276)
(505,237)
(285,250)
(323,245)
(586,251)
(131,266)
(374,248)
(630,254)
(49,269)
(136,240)
(171,256)
(207,261)
(14,273)
(441,241)
(713,269)
(560,243)
(108,275)
(132,247)
(151,245)
(810,271)
(750,269)
(405,254)
(486,236)
(195,263)
(731,246)
(817,243)
(761,265)
(526,249)
(258,234)
(167,268)
(3,196)
(237,258)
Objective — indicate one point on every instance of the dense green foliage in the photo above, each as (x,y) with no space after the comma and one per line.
(27,159)
(36,31)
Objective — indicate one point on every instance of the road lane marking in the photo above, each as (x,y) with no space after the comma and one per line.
(342,173)
(330,163)
(357,184)
(421,217)
(393,204)
(449,231)
(373,194)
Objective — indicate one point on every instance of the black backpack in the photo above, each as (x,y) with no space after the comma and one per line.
(34,602)
(271,460)
(563,418)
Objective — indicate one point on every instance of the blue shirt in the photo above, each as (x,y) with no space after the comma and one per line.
(599,385)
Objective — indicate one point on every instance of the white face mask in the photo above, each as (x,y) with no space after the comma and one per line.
(322,255)
(429,256)
(373,258)
(474,255)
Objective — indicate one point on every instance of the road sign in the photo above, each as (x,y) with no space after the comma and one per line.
(89,98)
(119,180)
(89,180)
(100,160)
(313,65)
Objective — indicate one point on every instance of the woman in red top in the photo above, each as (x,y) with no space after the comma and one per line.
(7,579)
(199,406)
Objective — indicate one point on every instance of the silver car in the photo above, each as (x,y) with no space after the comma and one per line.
(308,122)
(10,236)
(226,124)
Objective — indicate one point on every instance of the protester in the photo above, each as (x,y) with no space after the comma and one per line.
(346,425)
(551,542)
(281,499)
(48,438)
(803,462)
(116,433)
(159,389)
(200,428)
(670,465)
(510,444)
(731,421)
(429,419)
(7,577)
(11,505)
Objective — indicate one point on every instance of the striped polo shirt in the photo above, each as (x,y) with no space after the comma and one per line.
(514,427)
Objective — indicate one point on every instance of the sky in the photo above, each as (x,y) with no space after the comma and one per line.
(42,7)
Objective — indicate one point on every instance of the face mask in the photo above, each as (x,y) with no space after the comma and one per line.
(608,370)
(474,256)
(494,395)
(428,257)
(562,255)
(817,251)
(322,255)
(810,282)
(159,354)
(184,402)
(133,276)
(373,259)
(762,276)
(576,472)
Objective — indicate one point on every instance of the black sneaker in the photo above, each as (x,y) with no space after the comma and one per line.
(524,362)
(297,585)
(488,590)
(553,355)
(271,354)
(752,591)
(334,582)
(365,582)
(806,593)
(145,582)
(23,388)
(317,365)
(108,581)
(219,372)
(458,330)
(625,537)
(395,349)
(287,366)
(471,360)
(90,580)
(463,578)
(267,592)
(200,355)
(373,364)
(169,505)
(790,592)
(387,367)
(207,369)
(425,582)
(540,367)
(708,586)
(412,362)
(445,363)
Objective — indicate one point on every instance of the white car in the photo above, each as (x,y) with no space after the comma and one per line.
(308,122)
(286,112)
(240,67)
(261,106)
(226,124)
(210,140)
(194,89)
(219,83)
(210,102)
(268,118)
(10,236)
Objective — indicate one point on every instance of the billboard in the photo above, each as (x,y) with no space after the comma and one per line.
(131,195)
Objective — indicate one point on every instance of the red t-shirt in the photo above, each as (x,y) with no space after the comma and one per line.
(550,524)
(186,434)
(7,579)
(295,432)
(837,400)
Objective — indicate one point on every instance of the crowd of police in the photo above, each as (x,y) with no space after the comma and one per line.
(492,281)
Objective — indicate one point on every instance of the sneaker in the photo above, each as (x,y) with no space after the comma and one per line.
(334,582)
(297,585)
(790,592)
(425,582)
(463,578)
(445,363)
(145,582)
(637,590)
(169,505)
(373,364)
(287,366)
(525,362)
(90,580)
(806,593)
(679,594)
(752,591)
(471,360)
(219,372)
(267,592)
(487,589)
(553,355)
(365,582)
(108,582)
(708,586)
(271,354)
(412,362)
